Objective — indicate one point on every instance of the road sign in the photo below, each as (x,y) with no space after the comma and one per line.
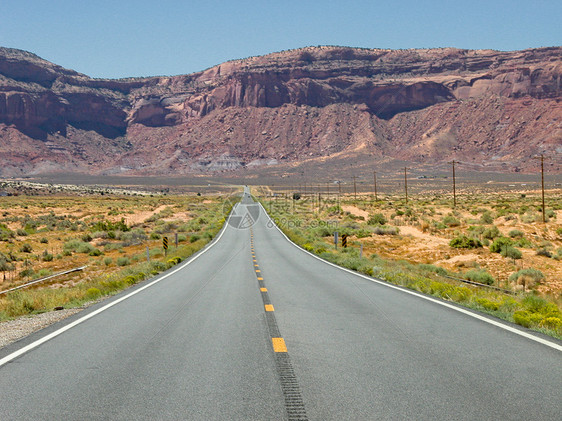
(336,239)
(344,240)
(165,243)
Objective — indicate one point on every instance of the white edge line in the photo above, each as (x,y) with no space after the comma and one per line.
(407,291)
(56,333)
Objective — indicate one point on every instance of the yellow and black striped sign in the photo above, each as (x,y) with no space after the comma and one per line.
(344,240)
(165,243)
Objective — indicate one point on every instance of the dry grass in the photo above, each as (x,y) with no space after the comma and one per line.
(109,234)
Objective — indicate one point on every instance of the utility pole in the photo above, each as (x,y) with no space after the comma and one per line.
(454,186)
(375,179)
(542,187)
(354,186)
(406,182)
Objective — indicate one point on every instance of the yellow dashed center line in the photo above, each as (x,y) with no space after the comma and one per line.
(279,345)
(269,307)
(263,289)
(257,270)
(260,279)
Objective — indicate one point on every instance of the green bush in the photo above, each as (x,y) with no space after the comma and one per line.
(511,252)
(107,261)
(516,234)
(543,251)
(464,242)
(487,304)
(522,318)
(123,261)
(386,230)
(523,243)
(432,268)
(486,218)
(554,323)
(92,294)
(377,219)
(480,275)
(451,221)
(47,257)
(499,244)
(532,273)
(491,233)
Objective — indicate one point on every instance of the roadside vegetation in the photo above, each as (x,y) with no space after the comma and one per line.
(426,244)
(118,238)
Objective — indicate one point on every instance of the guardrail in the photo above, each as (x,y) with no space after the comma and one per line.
(466,281)
(44,279)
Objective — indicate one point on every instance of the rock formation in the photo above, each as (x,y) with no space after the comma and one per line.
(485,107)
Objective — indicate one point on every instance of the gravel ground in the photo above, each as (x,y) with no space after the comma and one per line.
(13,330)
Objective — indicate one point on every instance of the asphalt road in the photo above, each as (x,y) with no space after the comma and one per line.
(256,329)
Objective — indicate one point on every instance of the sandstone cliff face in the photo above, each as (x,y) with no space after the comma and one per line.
(420,105)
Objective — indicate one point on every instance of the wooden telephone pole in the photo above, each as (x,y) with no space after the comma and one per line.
(354,186)
(375,179)
(454,186)
(406,182)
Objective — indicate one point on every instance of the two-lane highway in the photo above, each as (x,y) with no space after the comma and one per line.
(207,342)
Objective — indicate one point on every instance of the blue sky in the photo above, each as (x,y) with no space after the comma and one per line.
(115,38)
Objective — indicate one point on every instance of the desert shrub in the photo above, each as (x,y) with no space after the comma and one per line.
(487,304)
(26,248)
(543,251)
(43,272)
(433,268)
(155,236)
(516,234)
(536,304)
(110,226)
(480,275)
(499,244)
(21,232)
(523,243)
(451,221)
(43,240)
(487,218)
(559,231)
(491,233)
(123,261)
(86,238)
(92,294)
(107,261)
(558,255)
(554,323)
(95,252)
(464,242)
(511,252)
(439,225)
(522,318)
(528,274)
(377,219)
(134,237)
(529,218)
(386,230)
(322,231)
(47,257)
(333,210)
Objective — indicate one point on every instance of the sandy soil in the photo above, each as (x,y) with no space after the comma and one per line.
(355,211)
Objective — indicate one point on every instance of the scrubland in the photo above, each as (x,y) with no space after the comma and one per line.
(495,239)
